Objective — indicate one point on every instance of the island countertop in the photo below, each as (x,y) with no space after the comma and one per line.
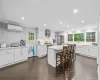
(56,47)
(59,47)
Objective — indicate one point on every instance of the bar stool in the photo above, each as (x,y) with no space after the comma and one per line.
(61,57)
(73,51)
(69,56)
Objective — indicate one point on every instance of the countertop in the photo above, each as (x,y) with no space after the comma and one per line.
(13,47)
(59,47)
(56,47)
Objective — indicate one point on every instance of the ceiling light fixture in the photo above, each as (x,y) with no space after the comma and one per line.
(60,22)
(68,26)
(82,21)
(75,11)
(22,18)
(45,24)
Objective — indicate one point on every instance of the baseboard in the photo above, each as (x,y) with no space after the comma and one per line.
(86,55)
(42,56)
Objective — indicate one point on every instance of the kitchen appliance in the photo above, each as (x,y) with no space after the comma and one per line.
(3,45)
(14,44)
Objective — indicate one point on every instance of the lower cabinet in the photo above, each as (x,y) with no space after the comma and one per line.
(24,53)
(42,50)
(12,56)
(6,58)
(90,51)
(21,54)
(3,61)
(17,56)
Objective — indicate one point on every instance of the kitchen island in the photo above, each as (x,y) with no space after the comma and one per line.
(81,49)
(52,50)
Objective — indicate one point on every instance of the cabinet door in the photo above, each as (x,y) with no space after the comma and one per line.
(83,50)
(3,60)
(18,55)
(93,51)
(10,56)
(6,57)
(25,53)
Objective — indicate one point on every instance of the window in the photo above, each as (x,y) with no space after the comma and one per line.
(90,36)
(70,37)
(79,37)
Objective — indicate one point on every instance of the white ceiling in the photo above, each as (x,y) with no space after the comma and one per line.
(50,12)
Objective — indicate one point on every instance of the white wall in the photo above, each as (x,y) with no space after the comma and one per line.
(11,36)
(8,36)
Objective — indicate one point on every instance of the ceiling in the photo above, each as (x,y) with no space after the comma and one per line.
(36,13)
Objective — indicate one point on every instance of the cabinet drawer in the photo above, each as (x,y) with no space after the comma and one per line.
(17,50)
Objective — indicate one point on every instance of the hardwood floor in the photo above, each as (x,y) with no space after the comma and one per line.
(37,69)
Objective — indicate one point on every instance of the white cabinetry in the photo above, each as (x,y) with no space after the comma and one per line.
(6,57)
(2,59)
(21,54)
(13,55)
(42,50)
(24,53)
(93,51)
(81,49)
(86,50)
(18,55)
(10,56)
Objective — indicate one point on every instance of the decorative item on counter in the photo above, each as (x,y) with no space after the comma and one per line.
(22,43)
(46,42)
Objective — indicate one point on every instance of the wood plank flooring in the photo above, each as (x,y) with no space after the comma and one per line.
(37,69)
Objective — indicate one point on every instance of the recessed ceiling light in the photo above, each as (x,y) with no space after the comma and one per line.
(22,18)
(45,24)
(82,21)
(60,22)
(75,11)
(68,26)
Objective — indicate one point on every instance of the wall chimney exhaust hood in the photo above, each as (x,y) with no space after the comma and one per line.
(15,28)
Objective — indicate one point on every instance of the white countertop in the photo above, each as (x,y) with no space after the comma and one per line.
(56,47)
(59,47)
(13,47)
